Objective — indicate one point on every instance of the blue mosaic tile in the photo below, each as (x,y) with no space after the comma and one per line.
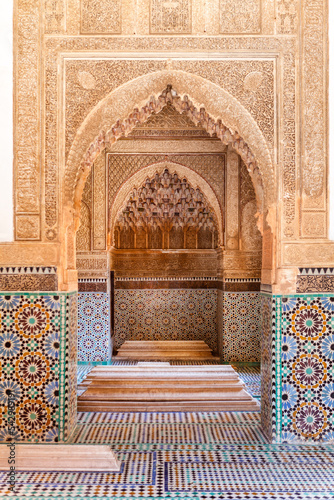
(94,341)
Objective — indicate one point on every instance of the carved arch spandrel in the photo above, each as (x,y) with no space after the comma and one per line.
(215,109)
(137,179)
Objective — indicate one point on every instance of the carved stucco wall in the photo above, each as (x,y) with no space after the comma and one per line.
(78,83)
(169,140)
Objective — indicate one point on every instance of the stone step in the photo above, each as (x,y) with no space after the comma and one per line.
(165,395)
(221,369)
(148,388)
(168,406)
(165,349)
(147,381)
(165,343)
(59,457)
(164,373)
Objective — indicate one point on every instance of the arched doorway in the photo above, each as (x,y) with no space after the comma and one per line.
(220,132)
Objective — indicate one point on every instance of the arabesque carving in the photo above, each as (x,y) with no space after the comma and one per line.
(227,135)
(250,235)
(101,17)
(54,15)
(314,85)
(109,73)
(100,203)
(238,77)
(26,147)
(232,200)
(170,17)
(239,16)
(83,235)
(287,15)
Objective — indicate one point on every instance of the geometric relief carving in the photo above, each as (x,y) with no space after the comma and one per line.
(99,202)
(83,236)
(170,17)
(101,16)
(54,16)
(169,206)
(286,16)
(232,200)
(314,224)
(240,16)
(26,154)
(27,227)
(314,96)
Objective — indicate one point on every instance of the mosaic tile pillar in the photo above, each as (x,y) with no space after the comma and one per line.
(94,338)
(220,323)
(38,363)
(268,321)
(302,362)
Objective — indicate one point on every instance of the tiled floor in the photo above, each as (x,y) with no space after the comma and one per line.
(190,456)
(200,456)
(168,428)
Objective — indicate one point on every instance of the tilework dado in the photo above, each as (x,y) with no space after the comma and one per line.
(94,326)
(298,367)
(267,352)
(38,365)
(307,357)
(166,315)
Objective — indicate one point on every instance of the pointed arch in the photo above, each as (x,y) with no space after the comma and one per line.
(204,102)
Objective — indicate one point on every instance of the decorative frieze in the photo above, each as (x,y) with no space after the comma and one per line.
(93,285)
(28,279)
(315,279)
